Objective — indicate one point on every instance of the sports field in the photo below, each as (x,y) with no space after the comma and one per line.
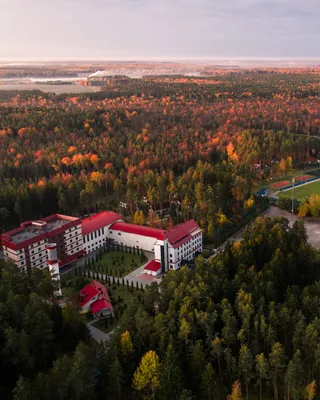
(301,192)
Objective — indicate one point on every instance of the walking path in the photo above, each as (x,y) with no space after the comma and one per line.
(96,334)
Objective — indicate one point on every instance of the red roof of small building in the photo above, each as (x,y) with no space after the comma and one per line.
(87,293)
(91,290)
(100,287)
(138,230)
(100,305)
(153,265)
(99,221)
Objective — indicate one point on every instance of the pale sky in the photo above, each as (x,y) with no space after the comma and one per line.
(173,29)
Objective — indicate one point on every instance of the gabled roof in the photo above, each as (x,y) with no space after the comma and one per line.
(100,287)
(100,305)
(99,221)
(181,231)
(153,265)
(138,230)
(87,293)
(91,290)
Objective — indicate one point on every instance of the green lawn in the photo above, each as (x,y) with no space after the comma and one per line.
(118,263)
(301,192)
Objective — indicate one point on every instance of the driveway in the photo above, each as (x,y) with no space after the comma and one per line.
(98,335)
(139,276)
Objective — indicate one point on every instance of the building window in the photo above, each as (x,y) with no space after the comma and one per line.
(84,239)
(21,257)
(33,264)
(103,231)
(32,251)
(77,248)
(33,258)
(95,234)
(22,262)
(110,232)
(20,251)
(119,233)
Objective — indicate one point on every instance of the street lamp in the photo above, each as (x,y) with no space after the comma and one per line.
(293,180)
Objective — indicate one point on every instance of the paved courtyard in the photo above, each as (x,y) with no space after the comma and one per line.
(139,276)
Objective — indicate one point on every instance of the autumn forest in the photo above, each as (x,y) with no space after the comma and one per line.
(160,150)
(194,145)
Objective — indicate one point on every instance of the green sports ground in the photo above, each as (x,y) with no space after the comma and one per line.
(301,192)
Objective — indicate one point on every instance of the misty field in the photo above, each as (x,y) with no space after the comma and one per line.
(58,89)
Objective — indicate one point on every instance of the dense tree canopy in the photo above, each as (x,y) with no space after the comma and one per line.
(244,324)
(191,145)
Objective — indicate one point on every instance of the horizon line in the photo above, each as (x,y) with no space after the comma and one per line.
(171,59)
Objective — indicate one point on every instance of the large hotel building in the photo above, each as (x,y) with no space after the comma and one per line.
(26,245)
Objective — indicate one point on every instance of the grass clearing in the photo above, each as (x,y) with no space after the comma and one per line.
(301,192)
(118,263)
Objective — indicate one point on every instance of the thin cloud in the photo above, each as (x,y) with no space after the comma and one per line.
(160,28)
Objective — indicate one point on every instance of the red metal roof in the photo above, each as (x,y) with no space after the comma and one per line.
(67,260)
(153,265)
(87,293)
(91,290)
(99,221)
(100,305)
(181,232)
(100,287)
(138,230)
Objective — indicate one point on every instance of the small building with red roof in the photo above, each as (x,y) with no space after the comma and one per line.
(94,297)
(153,268)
